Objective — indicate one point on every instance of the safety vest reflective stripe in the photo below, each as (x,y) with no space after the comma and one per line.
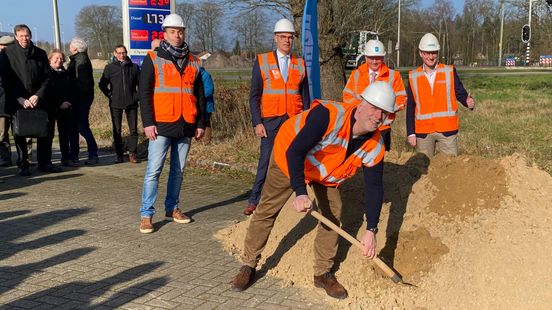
(448,84)
(159,62)
(266,67)
(368,159)
(391,77)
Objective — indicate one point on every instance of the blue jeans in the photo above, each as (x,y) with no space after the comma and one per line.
(157,152)
(84,128)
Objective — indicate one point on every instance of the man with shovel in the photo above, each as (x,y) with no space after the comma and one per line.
(322,147)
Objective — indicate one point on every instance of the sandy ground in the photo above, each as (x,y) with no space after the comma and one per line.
(466,232)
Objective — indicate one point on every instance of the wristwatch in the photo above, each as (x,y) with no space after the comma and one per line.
(374,230)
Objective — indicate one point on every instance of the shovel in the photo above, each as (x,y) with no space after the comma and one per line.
(376,260)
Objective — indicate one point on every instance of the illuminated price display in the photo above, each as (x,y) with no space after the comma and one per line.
(158,4)
(154,18)
(145,18)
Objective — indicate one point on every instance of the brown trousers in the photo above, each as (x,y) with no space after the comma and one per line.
(276,191)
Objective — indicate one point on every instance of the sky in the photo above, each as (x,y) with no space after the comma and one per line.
(37,14)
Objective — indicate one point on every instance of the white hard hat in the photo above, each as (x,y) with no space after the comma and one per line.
(381,95)
(173,20)
(284,25)
(374,48)
(429,43)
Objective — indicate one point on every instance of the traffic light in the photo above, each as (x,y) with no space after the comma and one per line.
(526,33)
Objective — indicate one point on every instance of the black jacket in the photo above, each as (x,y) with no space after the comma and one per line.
(80,71)
(176,129)
(58,92)
(26,72)
(119,83)
(3,112)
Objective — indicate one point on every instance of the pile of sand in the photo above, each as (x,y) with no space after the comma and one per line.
(221,61)
(468,232)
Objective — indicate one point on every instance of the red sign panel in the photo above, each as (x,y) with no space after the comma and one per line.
(139,35)
(138,2)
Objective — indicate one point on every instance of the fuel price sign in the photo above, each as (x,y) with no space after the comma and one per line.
(142,20)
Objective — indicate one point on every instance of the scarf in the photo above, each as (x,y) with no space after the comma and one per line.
(176,52)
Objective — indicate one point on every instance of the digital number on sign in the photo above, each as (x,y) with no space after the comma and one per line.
(153,18)
(157,35)
(159,2)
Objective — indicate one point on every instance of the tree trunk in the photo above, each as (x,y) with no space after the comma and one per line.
(332,71)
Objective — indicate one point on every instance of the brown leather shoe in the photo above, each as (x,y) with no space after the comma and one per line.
(249,209)
(329,283)
(146,227)
(132,158)
(243,279)
(177,216)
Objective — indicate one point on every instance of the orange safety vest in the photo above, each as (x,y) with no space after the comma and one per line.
(360,79)
(437,110)
(279,97)
(173,95)
(327,163)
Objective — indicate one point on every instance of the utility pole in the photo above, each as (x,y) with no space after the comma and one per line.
(501,32)
(398,47)
(57,38)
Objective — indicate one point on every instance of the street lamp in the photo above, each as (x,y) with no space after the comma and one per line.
(56,25)
(501,32)
(398,47)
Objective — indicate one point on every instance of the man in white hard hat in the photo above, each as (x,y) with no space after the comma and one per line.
(432,110)
(322,147)
(372,70)
(279,90)
(172,103)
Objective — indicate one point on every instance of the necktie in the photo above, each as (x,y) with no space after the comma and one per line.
(284,69)
(373,77)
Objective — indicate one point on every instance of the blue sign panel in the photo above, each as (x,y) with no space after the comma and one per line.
(143,23)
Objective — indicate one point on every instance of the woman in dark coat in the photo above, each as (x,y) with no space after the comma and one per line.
(59,95)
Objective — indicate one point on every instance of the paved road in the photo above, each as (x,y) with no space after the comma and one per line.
(71,241)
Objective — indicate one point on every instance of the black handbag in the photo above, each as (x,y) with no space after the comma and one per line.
(30,123)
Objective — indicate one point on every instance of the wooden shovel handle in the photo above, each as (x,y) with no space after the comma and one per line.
(376,260)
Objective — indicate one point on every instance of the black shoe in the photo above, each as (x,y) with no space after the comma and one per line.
(24,171)
(50,168)
(69,163)
(329,283)
(243,279)
(92,161)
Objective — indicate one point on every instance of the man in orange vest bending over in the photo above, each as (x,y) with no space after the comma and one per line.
(172,103)
(432,110)
(323,147)
(279,90)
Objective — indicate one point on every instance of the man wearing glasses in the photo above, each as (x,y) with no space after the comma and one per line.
(279,90)
(119,83)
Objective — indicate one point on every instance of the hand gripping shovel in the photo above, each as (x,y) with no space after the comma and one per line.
(376,260)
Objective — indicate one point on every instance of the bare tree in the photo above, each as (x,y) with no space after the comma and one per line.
(251,29)
(186,11)
(100,26)
(206,21)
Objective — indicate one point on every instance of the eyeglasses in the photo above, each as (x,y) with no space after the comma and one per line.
(121,53)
